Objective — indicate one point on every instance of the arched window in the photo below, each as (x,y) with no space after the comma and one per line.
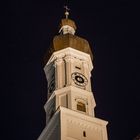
(81,106)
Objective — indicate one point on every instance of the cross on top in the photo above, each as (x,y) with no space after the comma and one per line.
(66,12)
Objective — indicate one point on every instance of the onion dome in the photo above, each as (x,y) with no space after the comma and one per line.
(66,38)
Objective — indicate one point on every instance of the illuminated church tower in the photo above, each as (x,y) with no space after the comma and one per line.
(70,106)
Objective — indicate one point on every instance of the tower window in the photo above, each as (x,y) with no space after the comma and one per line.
(81,106)
(84,133)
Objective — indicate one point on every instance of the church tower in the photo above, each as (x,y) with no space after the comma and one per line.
(70,106)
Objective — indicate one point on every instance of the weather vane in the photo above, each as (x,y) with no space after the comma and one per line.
(66,11)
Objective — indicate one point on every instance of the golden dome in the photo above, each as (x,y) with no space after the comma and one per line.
(63,41)
(67,39)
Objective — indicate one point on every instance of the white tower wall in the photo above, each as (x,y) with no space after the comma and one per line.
(70,107)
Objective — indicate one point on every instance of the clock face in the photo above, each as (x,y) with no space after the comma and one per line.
(79,79)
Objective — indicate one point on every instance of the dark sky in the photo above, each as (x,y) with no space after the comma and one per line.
(112,29)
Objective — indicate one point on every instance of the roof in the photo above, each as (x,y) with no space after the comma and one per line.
(68,22)
(68,40)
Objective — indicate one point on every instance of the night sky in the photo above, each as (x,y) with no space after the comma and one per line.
(112,29)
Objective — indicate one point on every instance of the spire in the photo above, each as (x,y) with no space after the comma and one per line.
(67,26)
(66,11)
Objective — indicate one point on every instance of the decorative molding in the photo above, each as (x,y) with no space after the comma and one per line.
(71,52)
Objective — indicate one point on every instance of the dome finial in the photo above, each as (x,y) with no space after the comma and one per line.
(66,11)
(67,26)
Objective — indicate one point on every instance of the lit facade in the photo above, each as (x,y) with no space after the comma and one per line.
(70,107)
